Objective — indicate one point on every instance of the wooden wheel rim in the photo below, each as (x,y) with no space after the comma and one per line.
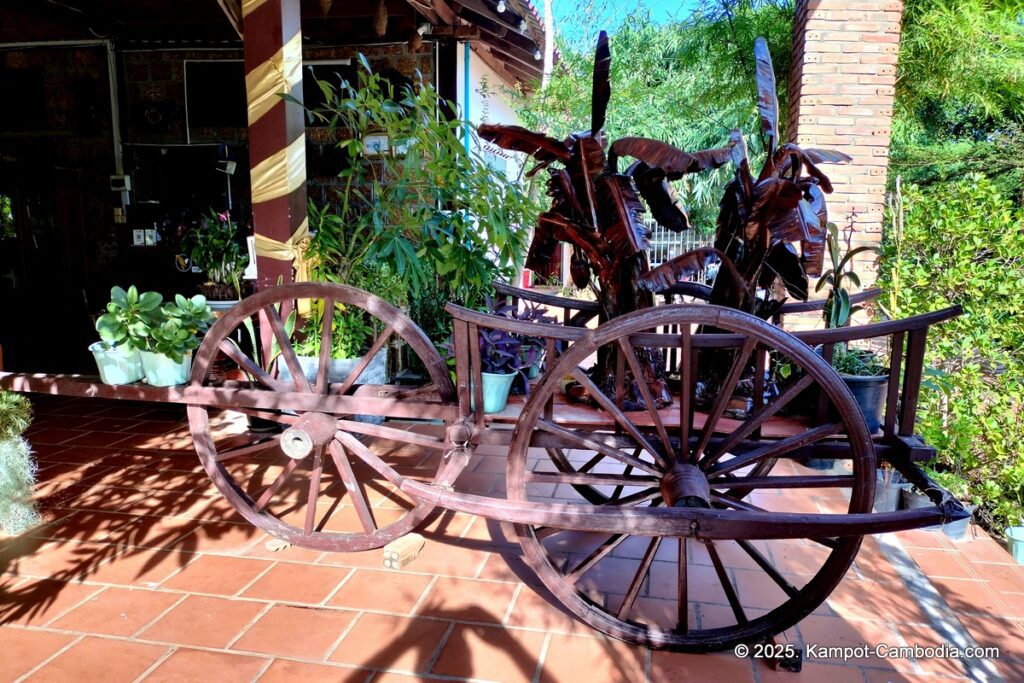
(199,423)
(785,615)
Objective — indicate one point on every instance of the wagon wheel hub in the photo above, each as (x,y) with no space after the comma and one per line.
(309,432)
(685,485)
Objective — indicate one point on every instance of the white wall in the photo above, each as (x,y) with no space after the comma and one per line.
(488,103)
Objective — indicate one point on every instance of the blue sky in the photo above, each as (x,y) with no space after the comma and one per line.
(568,13)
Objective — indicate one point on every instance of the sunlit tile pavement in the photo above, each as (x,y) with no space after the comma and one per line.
(144,573)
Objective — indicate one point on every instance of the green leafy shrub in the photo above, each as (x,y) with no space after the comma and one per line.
(17,468)
(963,243)
(425,213)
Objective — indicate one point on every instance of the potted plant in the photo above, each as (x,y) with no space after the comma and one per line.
(533,348)
(501,360)
(1015,541)
(861,369)
(120,329)
(214,247)
(171,334)
(18,513)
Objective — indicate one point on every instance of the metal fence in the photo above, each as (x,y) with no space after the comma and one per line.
(666,245)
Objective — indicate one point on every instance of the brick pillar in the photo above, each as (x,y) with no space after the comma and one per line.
(842,85)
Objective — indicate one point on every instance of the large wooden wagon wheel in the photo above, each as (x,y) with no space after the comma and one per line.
(668,591)
(311,488)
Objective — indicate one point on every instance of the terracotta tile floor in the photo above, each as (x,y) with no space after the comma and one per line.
(144,573)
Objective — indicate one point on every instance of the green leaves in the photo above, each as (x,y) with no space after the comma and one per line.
(138,322)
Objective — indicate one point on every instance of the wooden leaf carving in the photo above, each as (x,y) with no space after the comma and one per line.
(518,139)
(620,215)
(783,262)
(601,91)
(673,161)
(686,266)
(826,156)
(661,198)
(767,100)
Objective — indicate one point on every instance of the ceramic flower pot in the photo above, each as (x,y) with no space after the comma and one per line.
(116,365)
(162,371)
(496,388)
(870,395)
(338,370)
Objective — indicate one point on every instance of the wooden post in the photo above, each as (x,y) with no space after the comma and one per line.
(277,132)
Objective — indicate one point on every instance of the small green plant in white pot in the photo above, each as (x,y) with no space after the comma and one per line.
(171,336)
(121,330)
(18,513)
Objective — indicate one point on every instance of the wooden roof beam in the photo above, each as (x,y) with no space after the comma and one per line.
(233,11)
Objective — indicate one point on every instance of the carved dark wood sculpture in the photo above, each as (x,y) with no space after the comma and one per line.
(770,228)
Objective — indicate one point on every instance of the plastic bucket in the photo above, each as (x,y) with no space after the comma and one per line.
(888,489)
(496,388)
(161,371)
(914,500)
(115,365)
(958,529)
(1015,542)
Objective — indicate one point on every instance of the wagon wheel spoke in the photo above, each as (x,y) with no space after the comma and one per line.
(613,410)
(248,449)
(289,497)
(780,447)
(617,480)
(726,582)
(735,373)
(645,393)
(796,482)
(727,469)
(599,553)
(756,420)
(269,492)
(230,349)
(617,493)
(586,443)
(365,360)
(683,596)
(726,500)
(769,569)
(287,351)
(323,366)
(348,477)
(638,578)
(314,490)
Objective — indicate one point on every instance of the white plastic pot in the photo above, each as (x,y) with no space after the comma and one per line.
(116,365)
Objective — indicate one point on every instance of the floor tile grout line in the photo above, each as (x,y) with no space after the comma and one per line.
(266,570)
(436,655)
(153,667)
(58,653)
(538,670)
(334,591)
(269,661)
(245,629)
(942,617)
(157,618)
(344,632)
(512,603)
(413,611)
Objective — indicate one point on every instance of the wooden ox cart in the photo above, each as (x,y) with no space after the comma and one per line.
(685,527)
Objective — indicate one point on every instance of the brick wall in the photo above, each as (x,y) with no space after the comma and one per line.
(841,92)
